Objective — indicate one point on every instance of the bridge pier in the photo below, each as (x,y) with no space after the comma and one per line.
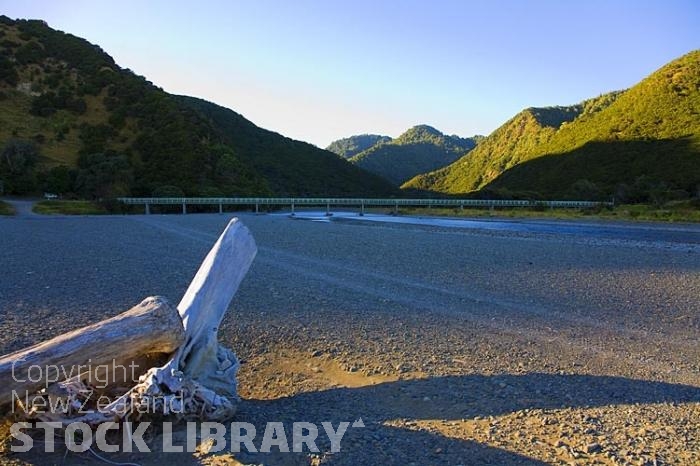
(328,209)
(221,208)
(362,209)
(148,208)
(257,209)
(184,208)
(292,214)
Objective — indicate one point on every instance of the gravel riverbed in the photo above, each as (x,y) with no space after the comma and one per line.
(454,346)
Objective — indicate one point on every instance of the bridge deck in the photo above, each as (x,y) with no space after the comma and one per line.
(349,202)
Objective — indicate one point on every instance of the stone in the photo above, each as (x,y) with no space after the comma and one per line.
(593,448)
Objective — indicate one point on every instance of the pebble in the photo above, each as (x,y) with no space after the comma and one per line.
(593,448)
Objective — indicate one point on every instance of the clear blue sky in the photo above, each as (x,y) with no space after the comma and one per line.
(318,70)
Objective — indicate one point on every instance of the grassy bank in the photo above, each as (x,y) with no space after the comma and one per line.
(6,209)
(69,208)
(683,211)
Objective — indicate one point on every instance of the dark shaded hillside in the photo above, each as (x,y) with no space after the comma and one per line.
(353,145)
(635,171)
(645,136)
(292,168)
(74,122)
(419,150)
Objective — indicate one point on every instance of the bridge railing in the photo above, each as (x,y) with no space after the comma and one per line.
(350,202)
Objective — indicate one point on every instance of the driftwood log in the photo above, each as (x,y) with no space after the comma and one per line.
(152,327)
(190,375)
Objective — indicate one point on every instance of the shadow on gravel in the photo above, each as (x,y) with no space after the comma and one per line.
(446,398)
(450,398)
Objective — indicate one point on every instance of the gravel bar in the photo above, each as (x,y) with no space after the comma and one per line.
(455,346)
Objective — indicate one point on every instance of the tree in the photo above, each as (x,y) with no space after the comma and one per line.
(8,73)
(103,175)
(18,160)
(59,180)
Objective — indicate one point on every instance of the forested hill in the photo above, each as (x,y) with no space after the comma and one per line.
(629,144)
(420,149)
(347,147)
(73,121)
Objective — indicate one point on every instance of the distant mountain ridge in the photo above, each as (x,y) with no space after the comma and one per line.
(347,147)
(420,149)
(72,121)
(647,135)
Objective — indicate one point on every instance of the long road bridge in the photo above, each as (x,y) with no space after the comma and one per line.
(359,203)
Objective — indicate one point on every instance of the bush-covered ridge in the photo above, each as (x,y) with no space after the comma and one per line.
(651,130)
(72,121)
(291,168)
(347,147)
(517,140)
(418,150)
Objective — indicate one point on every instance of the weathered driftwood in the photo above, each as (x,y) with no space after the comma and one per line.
(151,327)
(199,379)
(202,374)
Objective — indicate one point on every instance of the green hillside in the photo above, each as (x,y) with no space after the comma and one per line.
(628,143)
(418,150)
(73,121)
(347,147)
(291,168)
